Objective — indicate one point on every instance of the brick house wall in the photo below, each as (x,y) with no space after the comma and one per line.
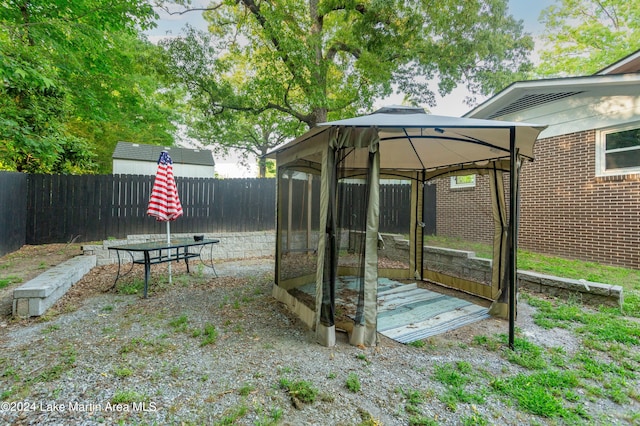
(566,210)
(464,213)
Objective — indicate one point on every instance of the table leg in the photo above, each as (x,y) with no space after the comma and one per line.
(118,274)
(147,271)
(186,259)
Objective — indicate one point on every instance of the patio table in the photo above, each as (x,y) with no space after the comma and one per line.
(154,252)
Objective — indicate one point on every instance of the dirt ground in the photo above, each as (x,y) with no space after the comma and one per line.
(30,261)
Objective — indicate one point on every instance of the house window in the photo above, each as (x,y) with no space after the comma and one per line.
(467,181)
(618,151)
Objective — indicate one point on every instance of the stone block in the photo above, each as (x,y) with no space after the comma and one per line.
(34,297)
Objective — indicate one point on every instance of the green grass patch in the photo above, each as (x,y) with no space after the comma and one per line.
(422,421)
(233,415)
(128,397)
(122,372)
(67,362)
(179,324)
(605,326)
(413,396)
(246,389)
(481,250)
(474,420)
(524,353)
(302,390)
(209,335)
(540,393)
(143,346)
(132,287)
(455,378)
(578,269)
(7,281)
(448,375)
(353,383)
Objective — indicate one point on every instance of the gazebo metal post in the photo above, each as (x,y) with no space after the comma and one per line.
(416,230)
(513,232)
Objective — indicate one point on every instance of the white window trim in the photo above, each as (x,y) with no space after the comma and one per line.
(601,164)
(455,184)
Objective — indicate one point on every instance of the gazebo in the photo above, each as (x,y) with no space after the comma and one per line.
(328,208)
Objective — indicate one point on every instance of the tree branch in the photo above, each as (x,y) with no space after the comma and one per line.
(187,10)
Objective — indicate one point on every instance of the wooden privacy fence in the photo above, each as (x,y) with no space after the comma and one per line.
(13,215)
(43,209)
(96,207)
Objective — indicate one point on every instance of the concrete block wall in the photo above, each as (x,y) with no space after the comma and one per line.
(232,245)
(587,292)
(465,264)
(35,296)
(459,263)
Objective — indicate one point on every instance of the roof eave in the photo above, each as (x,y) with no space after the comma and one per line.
(515,90)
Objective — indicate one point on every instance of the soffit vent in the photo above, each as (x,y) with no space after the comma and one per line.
(530,101)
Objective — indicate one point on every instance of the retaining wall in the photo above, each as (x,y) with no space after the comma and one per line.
(465,264)
(232,245)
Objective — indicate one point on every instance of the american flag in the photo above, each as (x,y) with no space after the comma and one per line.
(164,203)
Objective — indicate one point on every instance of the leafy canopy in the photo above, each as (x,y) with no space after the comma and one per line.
(75,76)
(584,36)
(309,61)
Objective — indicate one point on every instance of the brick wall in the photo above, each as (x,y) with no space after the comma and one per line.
(465,212)
(567,211)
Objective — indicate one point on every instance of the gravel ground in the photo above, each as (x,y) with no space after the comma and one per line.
(107,357)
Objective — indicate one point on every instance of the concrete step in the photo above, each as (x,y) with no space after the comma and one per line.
(34,297)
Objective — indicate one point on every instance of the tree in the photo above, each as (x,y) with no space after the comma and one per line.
(584,36)
(310,61)
(75,75)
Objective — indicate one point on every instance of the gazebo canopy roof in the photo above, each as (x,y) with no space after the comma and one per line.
(410,139)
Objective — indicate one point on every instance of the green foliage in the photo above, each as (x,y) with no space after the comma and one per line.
(269,71)
(233,415)
(422,421)
(524,353)
(413,396)
(539,393)
(353,382)
(301,390)
(53,372)
(246,389)
(122,372)
(605,326)
(128,397)
(584,36)
(447,374)
(456,378)
(179,323)
(7,281)
(131,287)
(210,335)
(77,77)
